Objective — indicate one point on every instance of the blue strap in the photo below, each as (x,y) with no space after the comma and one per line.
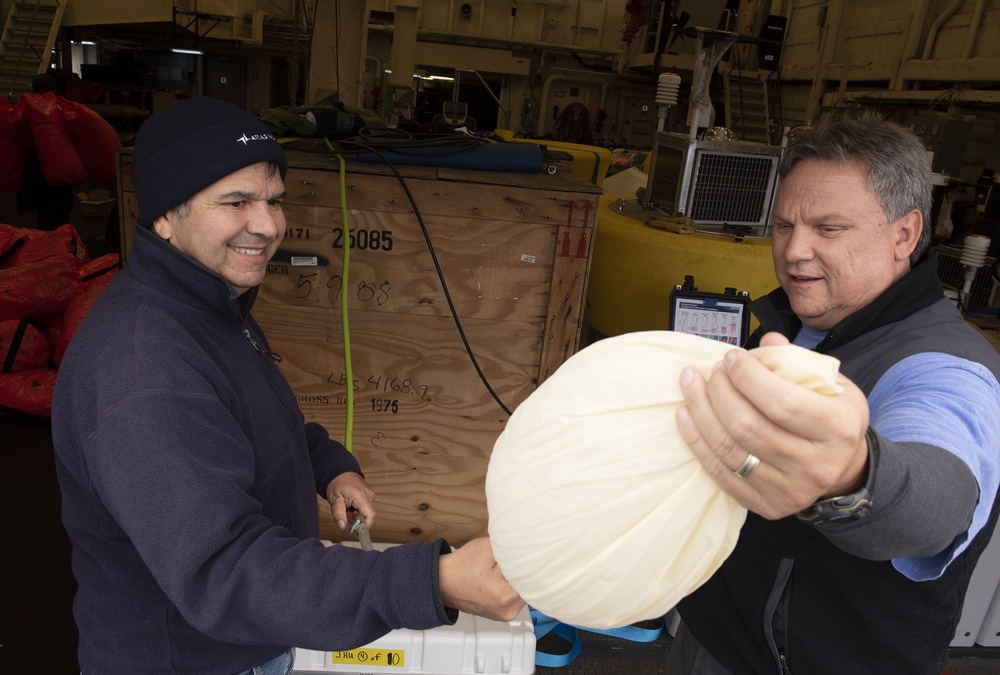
(633,633)
(545,624)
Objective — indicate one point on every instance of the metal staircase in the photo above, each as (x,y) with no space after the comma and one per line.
(27,41)
(747,113)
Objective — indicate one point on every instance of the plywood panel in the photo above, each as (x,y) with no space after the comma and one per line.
(424,420)
(491,268)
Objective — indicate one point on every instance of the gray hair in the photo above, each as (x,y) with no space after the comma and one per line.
(892,157)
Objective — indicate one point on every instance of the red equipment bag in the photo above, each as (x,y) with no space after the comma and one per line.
(39,290)
(99,271)
(10,237)
(15,143)
(35,245)
(61,163)
(28,391)
(95,277)
(96,141)
(23,346)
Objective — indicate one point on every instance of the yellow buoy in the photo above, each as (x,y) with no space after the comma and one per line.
(635,267)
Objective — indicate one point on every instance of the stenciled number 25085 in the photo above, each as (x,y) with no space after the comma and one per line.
(371,240)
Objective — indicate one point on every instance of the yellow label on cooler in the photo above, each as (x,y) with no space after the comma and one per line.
(370,657)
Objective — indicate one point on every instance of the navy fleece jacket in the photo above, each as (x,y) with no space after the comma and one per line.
(189,482)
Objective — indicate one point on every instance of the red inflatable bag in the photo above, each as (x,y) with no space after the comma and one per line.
(79,306)
(15,143)
(36,245)
(39,290)
(61,163)
(10,237)
(23,346)
(99,271)
(28,391)
(96,141)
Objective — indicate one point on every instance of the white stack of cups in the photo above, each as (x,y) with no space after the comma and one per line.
(973,257)
(667,89)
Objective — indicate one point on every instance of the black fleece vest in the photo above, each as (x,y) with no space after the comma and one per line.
(840,613)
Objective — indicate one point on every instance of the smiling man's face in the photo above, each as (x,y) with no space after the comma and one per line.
(233,226)
(833,251)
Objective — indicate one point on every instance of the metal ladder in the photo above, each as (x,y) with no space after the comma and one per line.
(27,41)
(747,113)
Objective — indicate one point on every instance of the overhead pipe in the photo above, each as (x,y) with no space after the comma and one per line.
(600,26)
(828,41)
(977,18)
(913,33)
(933,32)
(576,28)
(936,26)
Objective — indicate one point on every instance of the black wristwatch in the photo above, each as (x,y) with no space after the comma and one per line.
(848,507)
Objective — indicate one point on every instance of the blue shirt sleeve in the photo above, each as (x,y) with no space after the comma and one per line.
(951,403)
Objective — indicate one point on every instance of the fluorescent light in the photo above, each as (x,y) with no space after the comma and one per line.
(444,78)
(88,42)
(187,51)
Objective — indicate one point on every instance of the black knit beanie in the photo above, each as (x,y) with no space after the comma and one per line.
(182,150)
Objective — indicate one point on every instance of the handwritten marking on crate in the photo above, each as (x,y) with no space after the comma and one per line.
(370,657)
(384,383)
(365,290)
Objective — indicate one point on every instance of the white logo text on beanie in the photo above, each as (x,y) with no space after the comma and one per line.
(244,139)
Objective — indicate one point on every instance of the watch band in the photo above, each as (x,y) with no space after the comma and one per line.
(848,507)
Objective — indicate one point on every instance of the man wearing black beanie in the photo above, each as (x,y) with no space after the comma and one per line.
(187,470)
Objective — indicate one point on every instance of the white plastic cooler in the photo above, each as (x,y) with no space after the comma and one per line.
(472,645)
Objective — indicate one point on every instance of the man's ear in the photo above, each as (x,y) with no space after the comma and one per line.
(908,229)
(164,225)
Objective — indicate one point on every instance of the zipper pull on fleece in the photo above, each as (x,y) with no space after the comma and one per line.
(276,357)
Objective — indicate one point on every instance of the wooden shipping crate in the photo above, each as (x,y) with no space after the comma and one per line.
(513,252)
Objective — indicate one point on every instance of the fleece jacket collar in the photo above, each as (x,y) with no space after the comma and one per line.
(171,271)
